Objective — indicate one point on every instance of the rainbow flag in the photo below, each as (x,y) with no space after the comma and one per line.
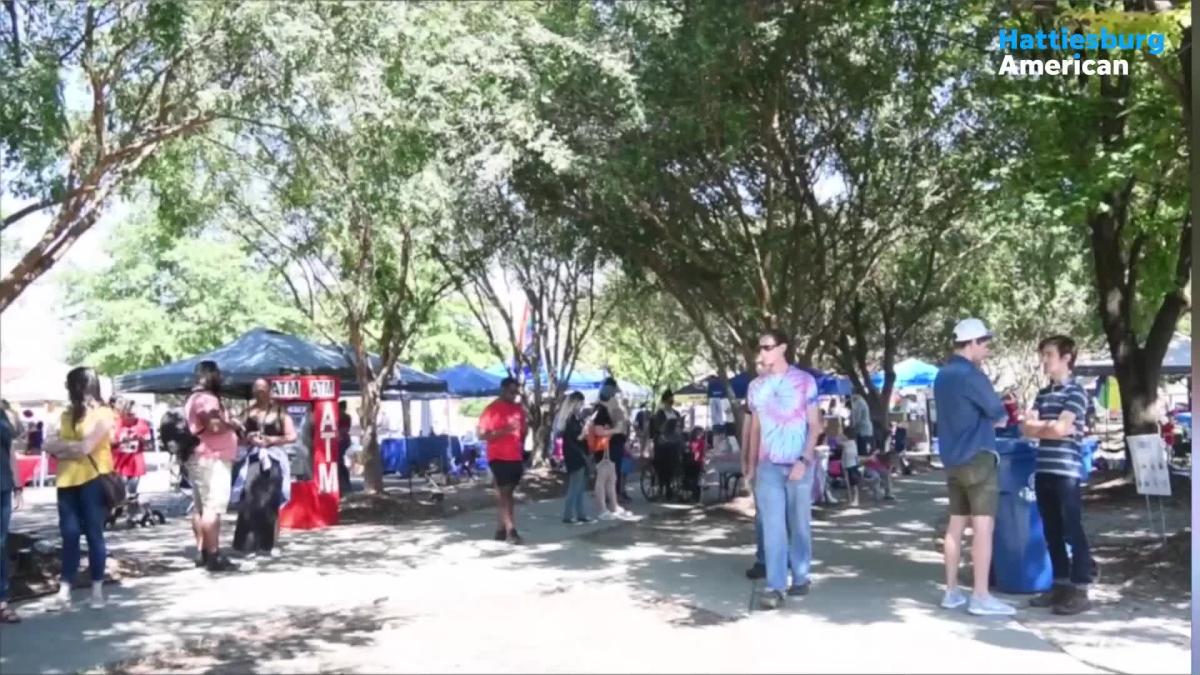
(524,340)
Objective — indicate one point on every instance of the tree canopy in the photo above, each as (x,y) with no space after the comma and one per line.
(658,181)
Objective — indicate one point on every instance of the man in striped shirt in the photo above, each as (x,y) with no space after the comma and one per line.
(1061,409)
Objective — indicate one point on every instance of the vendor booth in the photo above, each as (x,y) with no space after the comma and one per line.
(307,379)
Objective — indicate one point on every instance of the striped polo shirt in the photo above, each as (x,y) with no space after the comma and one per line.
(1063,456)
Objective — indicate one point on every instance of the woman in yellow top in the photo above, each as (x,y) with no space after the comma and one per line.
(84,453)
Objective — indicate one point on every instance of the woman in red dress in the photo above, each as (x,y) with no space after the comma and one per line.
(131,440)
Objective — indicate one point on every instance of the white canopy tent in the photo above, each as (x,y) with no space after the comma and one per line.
(1176,362)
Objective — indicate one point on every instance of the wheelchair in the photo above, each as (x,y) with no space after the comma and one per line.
(675,486)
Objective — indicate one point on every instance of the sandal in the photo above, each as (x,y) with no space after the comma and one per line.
(7,615)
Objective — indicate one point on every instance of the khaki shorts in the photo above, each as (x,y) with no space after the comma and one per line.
(974,487)
(212,482)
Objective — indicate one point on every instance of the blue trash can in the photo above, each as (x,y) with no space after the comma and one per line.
(1020,561)
(1088,448)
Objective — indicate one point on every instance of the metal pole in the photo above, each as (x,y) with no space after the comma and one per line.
(1162,511)
(1150,514)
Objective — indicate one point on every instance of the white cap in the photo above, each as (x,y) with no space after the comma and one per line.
(971,329)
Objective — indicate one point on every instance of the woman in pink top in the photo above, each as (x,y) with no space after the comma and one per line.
(210,468)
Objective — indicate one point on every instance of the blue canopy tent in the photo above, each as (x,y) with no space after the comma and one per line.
(827,384)
(259,352)
(468,381)
(406,382)
(835,385)
(579,379)
(909,373)
(263,352)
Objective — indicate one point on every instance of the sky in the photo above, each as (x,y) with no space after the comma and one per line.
(31,332)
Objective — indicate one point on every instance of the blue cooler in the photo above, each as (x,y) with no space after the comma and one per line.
(1020,561)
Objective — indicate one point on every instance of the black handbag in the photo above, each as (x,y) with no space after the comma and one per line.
(113,486)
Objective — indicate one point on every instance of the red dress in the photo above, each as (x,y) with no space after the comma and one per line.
(132,440)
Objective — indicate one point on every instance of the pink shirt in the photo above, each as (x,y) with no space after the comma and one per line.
(201,406)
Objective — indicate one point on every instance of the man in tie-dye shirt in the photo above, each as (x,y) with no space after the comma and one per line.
(783,436)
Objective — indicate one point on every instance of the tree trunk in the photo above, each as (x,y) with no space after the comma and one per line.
(369,389)
(369,421)
(879,403)
(1139,396)
(1137,368)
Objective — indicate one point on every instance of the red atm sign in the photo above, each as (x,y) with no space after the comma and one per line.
(305,388)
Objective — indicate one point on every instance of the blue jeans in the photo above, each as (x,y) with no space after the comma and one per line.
(786,513)
(6,503)
(758,545)
(758,536)
(576,491)
(81,511)
(1061,508)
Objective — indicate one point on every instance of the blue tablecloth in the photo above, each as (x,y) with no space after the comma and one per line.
(403,455)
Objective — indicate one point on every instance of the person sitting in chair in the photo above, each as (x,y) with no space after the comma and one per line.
(668,455)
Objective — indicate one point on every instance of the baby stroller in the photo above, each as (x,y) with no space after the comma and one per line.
(133,511)
(129,462)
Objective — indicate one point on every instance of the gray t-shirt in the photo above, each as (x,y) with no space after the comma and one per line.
(860,417)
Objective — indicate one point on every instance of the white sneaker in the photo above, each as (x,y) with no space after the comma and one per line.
(608,515)
(62,599)
(953,599)
(624,513)
(97,601)
(990,606)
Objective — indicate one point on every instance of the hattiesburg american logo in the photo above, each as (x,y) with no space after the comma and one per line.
(1084,46)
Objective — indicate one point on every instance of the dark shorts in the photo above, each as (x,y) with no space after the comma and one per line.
(974,487)
(507,474)
(854,475)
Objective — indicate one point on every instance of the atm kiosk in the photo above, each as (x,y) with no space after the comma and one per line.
(312,403)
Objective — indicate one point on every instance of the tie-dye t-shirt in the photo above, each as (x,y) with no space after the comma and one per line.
(781,404)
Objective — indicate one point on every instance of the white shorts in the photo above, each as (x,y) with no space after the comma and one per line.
(212,484)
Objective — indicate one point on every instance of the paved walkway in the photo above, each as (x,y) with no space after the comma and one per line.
(665,594)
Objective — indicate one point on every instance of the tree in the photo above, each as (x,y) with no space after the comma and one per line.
(163,298)
(382,114)
(1108,157)
(647,339)
(557,283)
(771,173)
(342,194)
(451,337)
(90,92)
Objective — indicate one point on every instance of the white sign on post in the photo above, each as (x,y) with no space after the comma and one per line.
(1151,469)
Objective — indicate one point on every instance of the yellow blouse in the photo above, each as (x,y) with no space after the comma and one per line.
(76,471)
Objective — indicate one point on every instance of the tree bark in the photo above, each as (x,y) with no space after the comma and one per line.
(369,393)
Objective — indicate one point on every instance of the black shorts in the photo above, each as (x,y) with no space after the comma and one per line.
(507,474)
(854,475)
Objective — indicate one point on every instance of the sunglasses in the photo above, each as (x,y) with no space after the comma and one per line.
(766,348)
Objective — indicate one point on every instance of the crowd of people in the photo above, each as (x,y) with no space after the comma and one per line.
(100,451)
(779,459)
(99,441)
